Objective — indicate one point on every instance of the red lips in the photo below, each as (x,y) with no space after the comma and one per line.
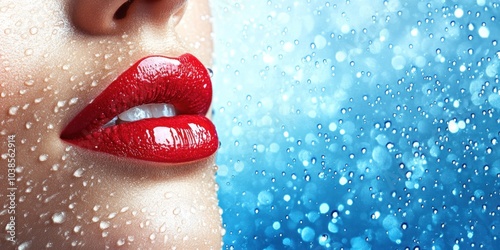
(183,82)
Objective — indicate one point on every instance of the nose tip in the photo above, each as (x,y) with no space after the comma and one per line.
(117,16)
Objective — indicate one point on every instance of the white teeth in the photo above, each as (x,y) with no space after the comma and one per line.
(153,110)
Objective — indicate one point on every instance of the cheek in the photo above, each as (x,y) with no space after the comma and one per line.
(28,43)
(195,29)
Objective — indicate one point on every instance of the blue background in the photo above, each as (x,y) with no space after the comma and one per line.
(358,124)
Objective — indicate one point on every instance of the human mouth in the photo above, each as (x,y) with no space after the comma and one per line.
(154,111)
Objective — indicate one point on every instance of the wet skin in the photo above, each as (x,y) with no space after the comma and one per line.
(55,57)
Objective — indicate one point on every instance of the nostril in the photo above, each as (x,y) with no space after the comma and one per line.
(122,11)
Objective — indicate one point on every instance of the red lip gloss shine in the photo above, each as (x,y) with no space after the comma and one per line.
(183,82)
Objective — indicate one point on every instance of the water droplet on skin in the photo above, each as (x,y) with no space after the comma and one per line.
(33,30)
(29,82)
(120,242)
(59,217)
(152,236)
(24,246)
(19,169)
(168,195)
(177,211)
(43,157)
(28,125)
(73,101)
(13,110)
(77,228)
(104,225)
(28,52)
(193,210)
(163,228)
(61,104)
(78,173)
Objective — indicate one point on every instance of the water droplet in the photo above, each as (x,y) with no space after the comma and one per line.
(73,101)
(168,195)
(104,225)
(33,30)
(120,242)
(163,228)
(78,173)
(335,214)
(59,217)
(28,52)
(24,246)
(29,82)
(43,157)
(177,211)
(152,236)
(13,110)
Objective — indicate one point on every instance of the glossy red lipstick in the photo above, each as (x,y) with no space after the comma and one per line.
(182,82)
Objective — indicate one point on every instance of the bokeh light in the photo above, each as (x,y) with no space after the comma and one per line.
(358,124)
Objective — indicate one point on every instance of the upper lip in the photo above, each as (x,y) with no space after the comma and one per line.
(183,82)
(149,80)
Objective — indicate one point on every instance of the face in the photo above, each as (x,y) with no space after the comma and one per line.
(80,165)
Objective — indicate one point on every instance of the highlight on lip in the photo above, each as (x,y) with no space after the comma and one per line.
(154,111)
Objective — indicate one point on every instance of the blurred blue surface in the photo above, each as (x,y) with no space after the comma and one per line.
(358,124)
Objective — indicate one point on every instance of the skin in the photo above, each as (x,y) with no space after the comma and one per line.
(55,57)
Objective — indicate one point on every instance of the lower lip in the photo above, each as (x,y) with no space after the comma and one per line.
(176,139)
